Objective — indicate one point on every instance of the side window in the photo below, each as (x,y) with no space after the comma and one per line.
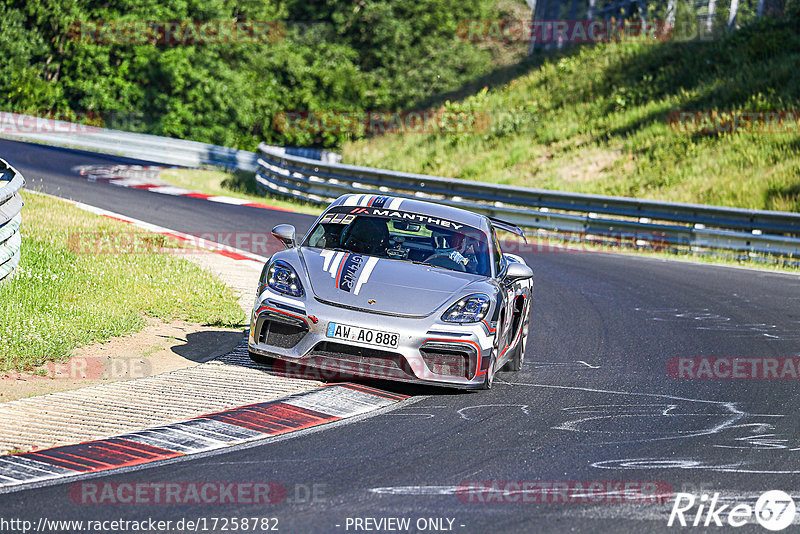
(317,237)
(497,254)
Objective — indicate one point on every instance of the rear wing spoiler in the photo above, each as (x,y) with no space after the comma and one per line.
(508,227)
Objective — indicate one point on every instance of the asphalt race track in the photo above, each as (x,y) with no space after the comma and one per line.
(593,402)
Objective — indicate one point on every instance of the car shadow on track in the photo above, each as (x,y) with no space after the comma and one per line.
(204,345)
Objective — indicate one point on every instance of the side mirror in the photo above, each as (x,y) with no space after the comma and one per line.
(285,233)
(518,271)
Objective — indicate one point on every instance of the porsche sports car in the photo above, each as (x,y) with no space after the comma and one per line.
(397,289)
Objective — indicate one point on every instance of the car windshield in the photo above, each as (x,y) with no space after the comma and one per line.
(405,237)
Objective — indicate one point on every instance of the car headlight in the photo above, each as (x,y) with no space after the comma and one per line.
(471,309)
(282,278)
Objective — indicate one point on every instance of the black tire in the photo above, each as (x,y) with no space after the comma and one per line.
(488,380)
(518,356)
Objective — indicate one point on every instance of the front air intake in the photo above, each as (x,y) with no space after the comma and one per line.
(281,334)
(449,360)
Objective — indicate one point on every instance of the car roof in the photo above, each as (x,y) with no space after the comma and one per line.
(415,206)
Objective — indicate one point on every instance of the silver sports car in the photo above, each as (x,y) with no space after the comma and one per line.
(397,289)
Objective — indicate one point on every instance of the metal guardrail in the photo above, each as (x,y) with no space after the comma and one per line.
(11,182)
(146,147)
(647,221)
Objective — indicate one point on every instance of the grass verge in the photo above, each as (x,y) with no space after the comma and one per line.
(69,292)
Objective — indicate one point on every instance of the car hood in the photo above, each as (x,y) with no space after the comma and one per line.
(382,285)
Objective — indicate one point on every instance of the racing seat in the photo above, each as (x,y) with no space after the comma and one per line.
(440,240)
(367,235)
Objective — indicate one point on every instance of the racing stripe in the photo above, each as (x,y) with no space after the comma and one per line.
(352,270)
(339,270)
(284,300)
(352,200)
(365,200)
(395,203)
(488,327)
(334,267)
(365,272)
(380,202)
(328,255)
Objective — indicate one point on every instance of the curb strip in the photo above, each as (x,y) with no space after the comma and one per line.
(224,250)
(200,434)
(116,175)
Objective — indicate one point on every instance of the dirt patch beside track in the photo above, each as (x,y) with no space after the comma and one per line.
(158,348)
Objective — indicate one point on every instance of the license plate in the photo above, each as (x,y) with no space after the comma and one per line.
(362,335)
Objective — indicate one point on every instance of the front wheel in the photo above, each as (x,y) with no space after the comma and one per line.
(488,380)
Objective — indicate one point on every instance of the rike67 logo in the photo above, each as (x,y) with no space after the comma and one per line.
(774,510)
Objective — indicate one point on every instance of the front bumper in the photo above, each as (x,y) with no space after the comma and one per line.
(429,351)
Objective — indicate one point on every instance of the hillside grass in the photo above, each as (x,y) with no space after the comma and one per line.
(70,290)
(594,120)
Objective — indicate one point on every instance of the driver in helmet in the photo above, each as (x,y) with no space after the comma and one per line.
(459,247)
